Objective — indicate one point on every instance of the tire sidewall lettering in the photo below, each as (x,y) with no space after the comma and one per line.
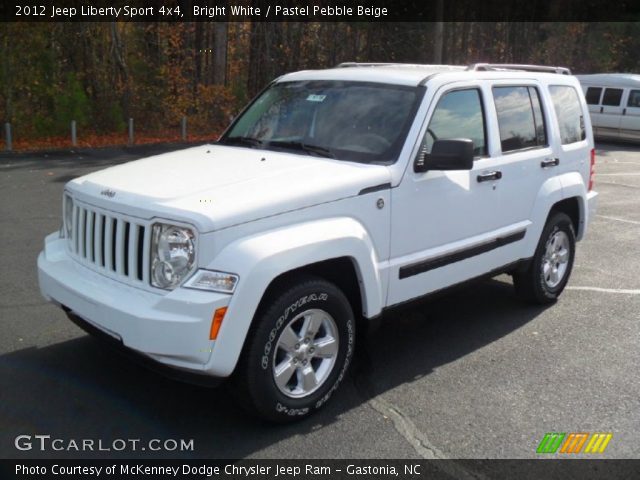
(347,361)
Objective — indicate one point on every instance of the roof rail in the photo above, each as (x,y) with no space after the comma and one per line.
(357,64)
(516,66)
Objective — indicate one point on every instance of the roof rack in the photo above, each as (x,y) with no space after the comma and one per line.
(516,66)
(357,64)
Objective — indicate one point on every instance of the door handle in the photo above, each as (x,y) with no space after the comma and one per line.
(550,162)
(601,109)
(624,111)
(485,177)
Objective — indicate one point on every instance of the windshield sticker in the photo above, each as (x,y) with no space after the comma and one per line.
(316,98)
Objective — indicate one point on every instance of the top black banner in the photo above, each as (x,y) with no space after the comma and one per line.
(319,10)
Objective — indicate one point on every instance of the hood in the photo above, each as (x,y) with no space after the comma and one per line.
(214,187)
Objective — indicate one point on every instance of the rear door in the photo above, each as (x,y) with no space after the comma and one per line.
(525,154)
(610,113)
(630,121)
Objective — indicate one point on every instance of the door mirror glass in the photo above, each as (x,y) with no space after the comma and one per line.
(452,154)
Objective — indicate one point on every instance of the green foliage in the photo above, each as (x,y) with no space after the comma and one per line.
(71,103)
(102,73)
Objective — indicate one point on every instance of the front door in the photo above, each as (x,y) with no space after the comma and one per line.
(440,218)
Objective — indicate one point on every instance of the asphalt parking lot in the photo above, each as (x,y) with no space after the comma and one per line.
(473,374)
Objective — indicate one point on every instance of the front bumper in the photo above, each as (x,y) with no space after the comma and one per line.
(171,328)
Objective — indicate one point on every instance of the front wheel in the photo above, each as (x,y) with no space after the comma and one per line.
(551,265)
(298,350)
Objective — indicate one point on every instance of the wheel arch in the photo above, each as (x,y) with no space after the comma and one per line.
(573,207)
(341,271)
(338,250)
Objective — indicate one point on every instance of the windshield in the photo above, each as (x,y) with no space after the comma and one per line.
(357,121)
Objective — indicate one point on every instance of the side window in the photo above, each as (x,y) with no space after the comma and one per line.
(593,95)
(634,99)
(566,104)
(612,97)
(519,117)
(458,114)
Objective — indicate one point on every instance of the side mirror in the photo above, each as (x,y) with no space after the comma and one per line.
(454,154)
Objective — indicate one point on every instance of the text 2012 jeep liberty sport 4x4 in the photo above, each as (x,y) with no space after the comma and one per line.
(334,195)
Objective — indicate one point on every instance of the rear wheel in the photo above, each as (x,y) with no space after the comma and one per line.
(298,350)
(551,266)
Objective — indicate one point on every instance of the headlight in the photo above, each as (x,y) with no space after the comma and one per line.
(213,281)
(68,216)
(172,255)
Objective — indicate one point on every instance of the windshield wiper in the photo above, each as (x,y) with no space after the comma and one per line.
(305,147)
(249,141)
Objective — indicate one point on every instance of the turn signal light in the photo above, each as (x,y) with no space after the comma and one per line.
(216,322)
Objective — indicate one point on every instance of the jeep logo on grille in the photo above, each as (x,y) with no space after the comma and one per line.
(108,193)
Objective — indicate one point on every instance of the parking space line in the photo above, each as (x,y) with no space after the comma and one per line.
(621,174)
(619,185)
(624,220)
(624,291)
(419,441)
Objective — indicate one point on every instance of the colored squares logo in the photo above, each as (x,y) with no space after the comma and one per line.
(574,442)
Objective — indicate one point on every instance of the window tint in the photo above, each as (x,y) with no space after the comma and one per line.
(634,98)
(566,104)
(458,114)
(593,95)
(612,97)
(519,117)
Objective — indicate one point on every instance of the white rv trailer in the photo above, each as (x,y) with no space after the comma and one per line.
(614,104)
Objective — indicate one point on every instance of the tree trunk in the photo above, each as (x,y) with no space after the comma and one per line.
(220,40)
(439,33)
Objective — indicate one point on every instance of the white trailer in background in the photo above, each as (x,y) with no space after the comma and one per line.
(614,104)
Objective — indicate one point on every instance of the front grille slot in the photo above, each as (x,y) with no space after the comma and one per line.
(140,251)
(110,244)
(114,245)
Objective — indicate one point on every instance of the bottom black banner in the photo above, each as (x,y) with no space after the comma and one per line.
(321,469)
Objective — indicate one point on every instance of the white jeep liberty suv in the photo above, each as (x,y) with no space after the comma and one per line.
(334,195)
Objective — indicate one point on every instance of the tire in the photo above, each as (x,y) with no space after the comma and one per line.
(549,270)
(285,374)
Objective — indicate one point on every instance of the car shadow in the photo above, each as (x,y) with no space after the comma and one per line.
(83,389)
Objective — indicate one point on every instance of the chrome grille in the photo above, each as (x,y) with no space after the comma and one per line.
(110,243)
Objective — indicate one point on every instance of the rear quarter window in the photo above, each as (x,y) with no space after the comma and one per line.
(634,99)
(566,104)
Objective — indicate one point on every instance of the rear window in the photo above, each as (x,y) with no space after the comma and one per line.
(612,97)
(593,95)
(634,98)
(566,104)
(519,117)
